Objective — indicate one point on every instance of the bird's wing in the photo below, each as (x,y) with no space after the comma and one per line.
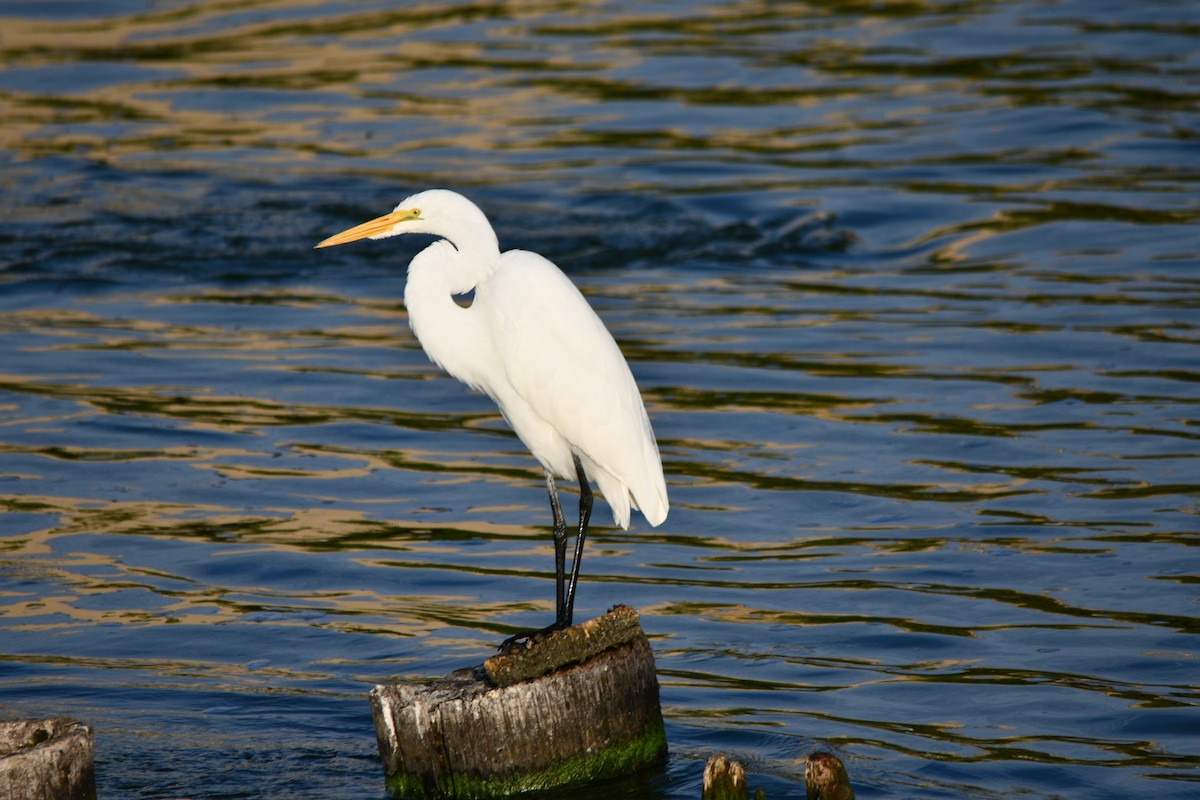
(563,363)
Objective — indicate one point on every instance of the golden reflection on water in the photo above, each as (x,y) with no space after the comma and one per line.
(296,87)
(726,338)
(86,575)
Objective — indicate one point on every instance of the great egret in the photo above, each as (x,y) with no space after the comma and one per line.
(530,341)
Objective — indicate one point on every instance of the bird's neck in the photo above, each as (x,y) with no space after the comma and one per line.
(460,259)
(453,337)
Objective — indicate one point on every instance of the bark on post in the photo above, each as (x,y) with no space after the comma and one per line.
(48,759)
(578,706)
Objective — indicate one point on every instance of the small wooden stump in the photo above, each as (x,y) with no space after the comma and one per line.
(577,706)
(47,759)
(825,778)
(724,780)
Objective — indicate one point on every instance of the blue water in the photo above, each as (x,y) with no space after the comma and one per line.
(911,291)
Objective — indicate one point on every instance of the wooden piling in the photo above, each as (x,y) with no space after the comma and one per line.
(724,780)
(48,759)
(577,706)
(825,778)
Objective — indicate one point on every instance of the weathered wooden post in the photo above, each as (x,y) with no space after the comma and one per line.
(48,759)
(579,705)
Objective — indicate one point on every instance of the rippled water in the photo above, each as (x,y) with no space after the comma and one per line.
(911,289)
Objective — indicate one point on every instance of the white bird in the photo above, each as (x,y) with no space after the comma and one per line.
(530,341)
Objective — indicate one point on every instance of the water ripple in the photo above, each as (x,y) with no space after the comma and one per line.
(910,289)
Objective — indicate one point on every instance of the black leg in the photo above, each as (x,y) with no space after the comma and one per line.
(561,595)
(564,598)
(560,550)
(585,516)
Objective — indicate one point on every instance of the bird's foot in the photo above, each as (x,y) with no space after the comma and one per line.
(524,641)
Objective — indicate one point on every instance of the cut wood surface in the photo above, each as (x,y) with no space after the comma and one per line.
(49,759)
(465,737)
(572,645)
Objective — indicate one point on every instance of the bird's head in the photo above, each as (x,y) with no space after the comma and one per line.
(440,212)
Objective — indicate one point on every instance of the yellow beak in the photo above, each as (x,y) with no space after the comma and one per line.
(373,227)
